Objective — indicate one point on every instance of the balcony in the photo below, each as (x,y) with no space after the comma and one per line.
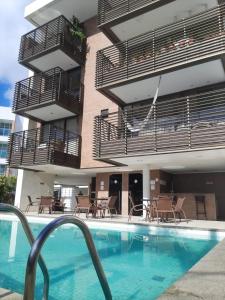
(127,71)
(38,148)
(174,125)
(51,45)
(114,15)
(39,12)
(50,95)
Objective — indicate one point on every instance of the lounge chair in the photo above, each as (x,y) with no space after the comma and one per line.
(31,203)
(137,208)
(83,205)
(165,207)
(46,202)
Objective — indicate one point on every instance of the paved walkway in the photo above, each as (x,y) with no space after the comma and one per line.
(191,224)
(206,280)
(8,295)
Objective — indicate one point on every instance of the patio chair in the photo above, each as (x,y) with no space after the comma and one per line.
(31,203)
(178,208)
(137,208)
(109,205)
(165,207)
(46,202)
(83,204)
(58,205)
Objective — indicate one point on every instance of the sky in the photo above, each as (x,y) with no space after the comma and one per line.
(12,27)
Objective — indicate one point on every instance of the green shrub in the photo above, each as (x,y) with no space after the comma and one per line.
(7,189)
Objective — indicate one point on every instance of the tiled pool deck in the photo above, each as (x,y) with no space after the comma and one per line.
(205,280)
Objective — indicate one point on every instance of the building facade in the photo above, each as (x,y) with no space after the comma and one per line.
(6,126)
(136,106)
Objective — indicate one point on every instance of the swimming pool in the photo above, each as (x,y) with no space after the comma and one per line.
(139,262)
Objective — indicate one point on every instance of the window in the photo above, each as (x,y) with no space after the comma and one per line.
(2,169)
(3,150)
(5,129)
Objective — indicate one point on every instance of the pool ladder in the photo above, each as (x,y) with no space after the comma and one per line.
(36,246)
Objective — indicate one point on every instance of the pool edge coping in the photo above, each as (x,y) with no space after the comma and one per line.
(205,280)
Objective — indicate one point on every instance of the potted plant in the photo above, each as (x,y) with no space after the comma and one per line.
(76,30)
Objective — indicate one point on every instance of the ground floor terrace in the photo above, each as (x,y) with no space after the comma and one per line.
(203,191)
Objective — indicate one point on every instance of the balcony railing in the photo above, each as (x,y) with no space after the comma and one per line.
(49,37)
(46,88)
(114,9)
(182,124)
(45,145)
(186,42)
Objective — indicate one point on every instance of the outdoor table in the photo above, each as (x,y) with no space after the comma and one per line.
(98,204)
(149,203)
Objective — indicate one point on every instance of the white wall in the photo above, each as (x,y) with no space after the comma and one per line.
(35,184)
(73,180)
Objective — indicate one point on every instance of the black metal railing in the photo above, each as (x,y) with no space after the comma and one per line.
(55,33)
(187,123)
(44,145)
(114,9)
(200,37)
(50,86)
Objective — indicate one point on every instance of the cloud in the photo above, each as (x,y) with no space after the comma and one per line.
(12,26)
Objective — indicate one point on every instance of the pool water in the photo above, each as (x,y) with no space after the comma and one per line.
(139,265)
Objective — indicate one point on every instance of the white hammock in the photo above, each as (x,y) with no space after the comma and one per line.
(142,124)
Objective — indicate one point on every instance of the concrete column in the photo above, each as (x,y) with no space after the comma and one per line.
(125,187)
(35,184)
(146,185)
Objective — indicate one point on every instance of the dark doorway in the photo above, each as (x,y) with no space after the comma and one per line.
(115,189)
(93,188)
(136,190)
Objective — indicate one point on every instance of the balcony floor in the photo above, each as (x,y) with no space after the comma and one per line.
(39,12)
(184,79)
(50,60)
(202,160)
(48,113)
(166,14)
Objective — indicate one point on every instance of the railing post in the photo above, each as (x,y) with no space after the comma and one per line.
(128,5)
(29,88)
(155,126)
(125,134)
(46,36)
(11,138)
(221,24)
(58,91)
(126,59)
(219,20)
(189,122)
(153,50)
(33,45)
(99,135)
(40,89)
(35,146)
(67,142)
(23,138)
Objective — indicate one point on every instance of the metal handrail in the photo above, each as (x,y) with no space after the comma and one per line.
(38,244)
(30,237)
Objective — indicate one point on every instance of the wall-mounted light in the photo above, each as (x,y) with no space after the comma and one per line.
(135,181)
(115,181)
(102,185)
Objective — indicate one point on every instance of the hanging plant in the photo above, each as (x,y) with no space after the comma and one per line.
(76,30)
